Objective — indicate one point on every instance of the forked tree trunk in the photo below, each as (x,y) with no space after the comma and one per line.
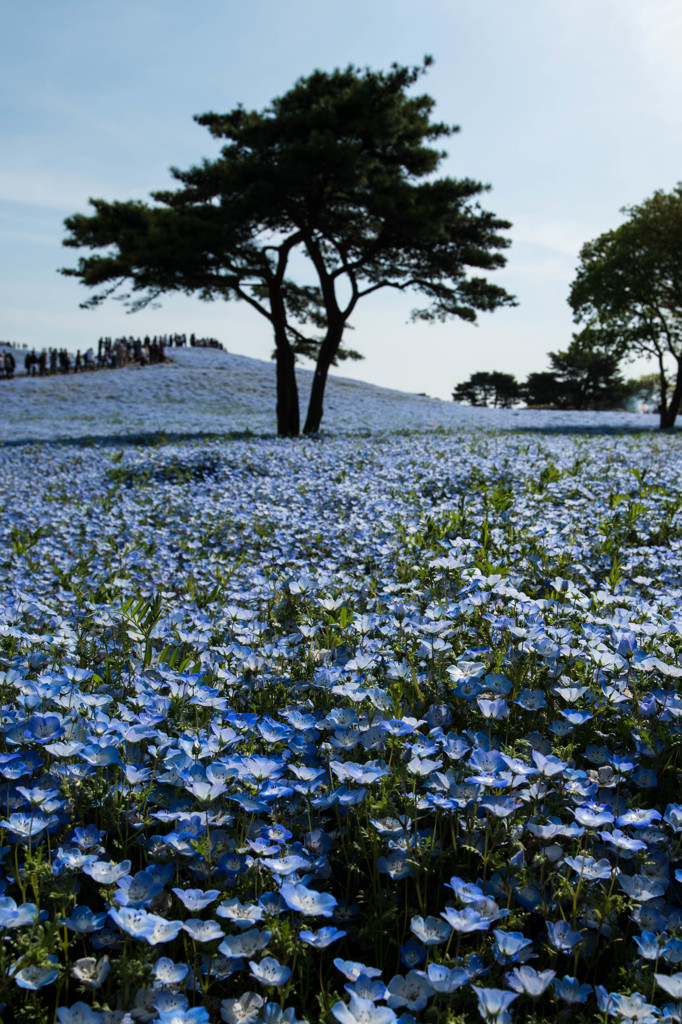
(288,420)
(669,410)
(328,350)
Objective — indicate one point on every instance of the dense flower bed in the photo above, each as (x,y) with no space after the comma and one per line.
(355,729)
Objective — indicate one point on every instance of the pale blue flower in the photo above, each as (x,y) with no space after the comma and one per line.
(35,977)
(492,1002)
(528,981)
(562,936)
(431,931)
(571,991)
(196,899)
(307,901)
(445,979)
(412,990)
(269,971)
(361,1011)
(79,1013)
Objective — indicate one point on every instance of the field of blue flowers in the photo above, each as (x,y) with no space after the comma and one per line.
(360,729)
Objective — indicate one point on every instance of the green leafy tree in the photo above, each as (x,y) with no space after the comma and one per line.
(488,388)
(588,372)
(341,169)
(541,389)
(629,283)
(586,375)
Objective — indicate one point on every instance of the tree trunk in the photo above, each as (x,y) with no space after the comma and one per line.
(669,410)
(328,350)
(288,421)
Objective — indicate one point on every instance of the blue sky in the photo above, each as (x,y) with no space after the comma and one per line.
(568,110)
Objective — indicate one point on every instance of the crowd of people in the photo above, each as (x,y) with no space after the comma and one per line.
(111,353)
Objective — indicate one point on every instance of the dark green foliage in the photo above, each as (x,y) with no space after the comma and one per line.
(489,388)
(629,285)
(584,376)
(340,168)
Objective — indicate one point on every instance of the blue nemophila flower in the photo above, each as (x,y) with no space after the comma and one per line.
(83,920)
(27,826)
(672,951)
(196,899)
(322,938)
(143,925)
(37,796)
(106,873)
(562,936)
(467,892)
(593,815)
(412,954)
(622,841)
(367,988)
(100,757)
(274,1014)
(574,717)
(431,931)
(137,891)
(167,972)
(203,931)
(286,865)
(549,765)
(526,980)
(244,1010)
(13,916)
(468,689)
(631,1008)
(589,869)
(90,972)
(638,818)
(195,1015)
(446,979)
(531,700)
(269,971)
(244,915)
(169,1002)
(361,1011)
(245,944)
(352,970)
(571,991)
(500,806)
(307,901)
(270,902)
(493,709)
(640,887)
(79,1013)
(413,991)
(511,947)
(493,1002)
(35,977)
(671,984)
(554,828)
(87,838)
(464,921)
(649,945)
(44,728)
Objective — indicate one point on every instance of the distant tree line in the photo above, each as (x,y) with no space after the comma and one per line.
(627,294)
(584,376)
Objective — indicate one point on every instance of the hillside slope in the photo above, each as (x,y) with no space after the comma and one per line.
(210,391)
